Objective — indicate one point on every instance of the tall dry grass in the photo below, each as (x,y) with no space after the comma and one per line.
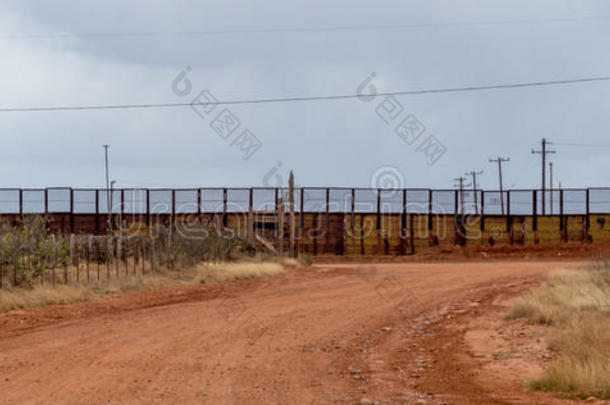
(575,304)
(45,295)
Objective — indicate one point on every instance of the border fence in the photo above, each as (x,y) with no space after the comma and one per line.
(330,220)
(64,200)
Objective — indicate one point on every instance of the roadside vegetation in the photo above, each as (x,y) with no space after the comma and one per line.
(575,305)
(40,269)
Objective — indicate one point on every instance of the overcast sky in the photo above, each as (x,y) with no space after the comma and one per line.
(326,143)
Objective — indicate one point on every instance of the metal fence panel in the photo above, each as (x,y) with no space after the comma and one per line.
(521,202)
(340,200)
(33,201)
(391,201)
(186,202)
(366,200)
(599,201)
(84,201)
(495,202)
(574,202)
(238,200)
(443,202)
(59,200)
(417,201)
(264,199)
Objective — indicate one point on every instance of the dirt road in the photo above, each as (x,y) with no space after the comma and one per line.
(391,333)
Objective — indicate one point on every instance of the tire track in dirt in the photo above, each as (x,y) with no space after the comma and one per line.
(327,334)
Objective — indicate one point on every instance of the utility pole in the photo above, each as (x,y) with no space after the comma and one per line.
(543,152)
(474,187)
(461,181)
(500,160)
(551,184)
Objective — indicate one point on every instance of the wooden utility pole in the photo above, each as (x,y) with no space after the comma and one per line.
(500,160)
(461,181)
(474,187)
(292,224)
(543,152)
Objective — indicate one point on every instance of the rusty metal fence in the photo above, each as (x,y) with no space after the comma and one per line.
(307,200)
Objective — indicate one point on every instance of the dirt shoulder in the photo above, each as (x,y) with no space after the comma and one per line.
(341,333)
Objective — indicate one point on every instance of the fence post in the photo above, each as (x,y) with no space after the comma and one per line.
(378,209)
(148,208)
(353,208)
(21,202)
(403,220)
(250,222)
(224,206)
(587,219)
(561,217)
(326,236)
(509,224)
(173,205)
(71,210)
(199,202)
(46,201)
(534,210)
(482,211)
(430,212)
(97,210)
(302,215)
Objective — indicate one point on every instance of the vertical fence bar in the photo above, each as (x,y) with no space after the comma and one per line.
(482,210)
(147,207)
(21,202)
(71,210)
(122,205)
(561,217)
(250,216)
(587,219)
(97,210)
(508,217)
(173,204)
(46,201)
(403,220)
(199,202)
(353,207)
(327,207)
(456,198)
(430,210)
(225,195)
(302,203)
(378,209)
(534,210)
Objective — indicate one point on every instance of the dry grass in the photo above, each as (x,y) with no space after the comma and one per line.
(40,296)
(576,305)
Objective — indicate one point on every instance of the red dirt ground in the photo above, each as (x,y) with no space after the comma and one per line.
(393,333)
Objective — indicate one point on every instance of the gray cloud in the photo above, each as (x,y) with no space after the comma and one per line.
(326,143)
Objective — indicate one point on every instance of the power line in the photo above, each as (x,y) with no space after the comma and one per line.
(313,98)
(142,34)
(584,145)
